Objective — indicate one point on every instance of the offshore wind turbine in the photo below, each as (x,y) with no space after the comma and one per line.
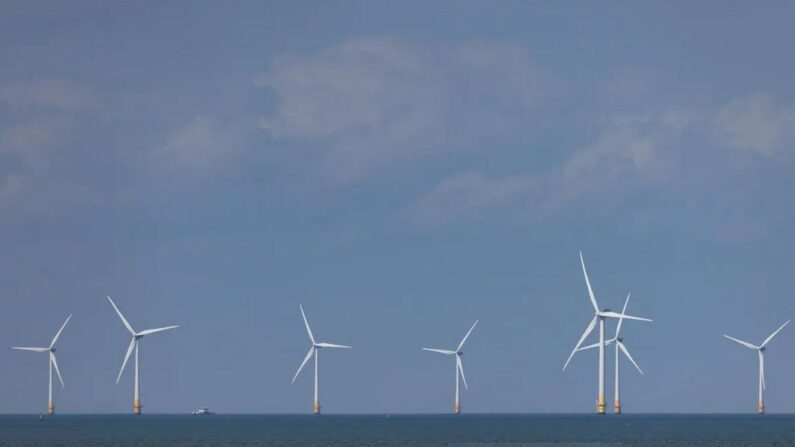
(599,317)
(53,363)
(761,355)
(314,350)
(619,346)
(136,337)
(459,367)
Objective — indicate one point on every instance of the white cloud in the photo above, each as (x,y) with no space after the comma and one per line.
(372,101)
(55,94)
(199,150)
(470,192)
(630,149)
(39,128)
(30,136)
(756,123)
(27,148)
(629,145)
(199,145)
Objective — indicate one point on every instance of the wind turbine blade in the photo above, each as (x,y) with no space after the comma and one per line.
(585,348)
(585,335)
(440,351)
(460,367)
(55,364)
(762,368)
(123,320)
(626,353)
(612,314)
(331,345)
(30,349)
(463,340)
(126,357)
(153,331)
(54,339)
(588,283)
(306,359)
(744,343)
(306,323)
(767,340)
(596,345)
(623,312)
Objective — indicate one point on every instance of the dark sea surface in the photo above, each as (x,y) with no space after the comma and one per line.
(454,431)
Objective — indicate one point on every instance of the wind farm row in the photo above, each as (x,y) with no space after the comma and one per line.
(600,318)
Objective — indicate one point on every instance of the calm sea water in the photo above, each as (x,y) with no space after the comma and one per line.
(419,431)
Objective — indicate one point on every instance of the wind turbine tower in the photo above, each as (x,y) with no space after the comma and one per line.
(53,363)
(599,317)
(459,367)
(314,350)
(760,350)
(620,347)
(136,338)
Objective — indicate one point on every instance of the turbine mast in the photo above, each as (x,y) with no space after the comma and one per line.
(617,400)
(457,406)
(50,405)
(761,405)
(137,395)
(317,398)
(600,402)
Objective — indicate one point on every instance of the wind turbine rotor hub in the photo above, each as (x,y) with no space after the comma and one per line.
(621,339)
(763,349)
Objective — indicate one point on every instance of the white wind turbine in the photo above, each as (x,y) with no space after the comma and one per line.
(136,337)
(459,367)
(761,354)
(619,346)
(599,316)
(53,363)
(314,350)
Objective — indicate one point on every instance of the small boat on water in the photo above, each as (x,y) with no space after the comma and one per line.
(203,412)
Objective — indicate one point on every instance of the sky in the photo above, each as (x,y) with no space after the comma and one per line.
(401,169)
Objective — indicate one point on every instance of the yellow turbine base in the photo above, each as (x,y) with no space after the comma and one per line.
(600,405)
(457,408)
(50,409)
(316,408)
(761,407)
(137,407)
(617,407)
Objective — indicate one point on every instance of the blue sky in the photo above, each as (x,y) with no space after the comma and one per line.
(400,170)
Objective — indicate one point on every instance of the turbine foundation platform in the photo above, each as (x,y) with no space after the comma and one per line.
(50,409)
(761,407)
(600,405)
(316,409)
(137,407)
(457,408)
(617,407)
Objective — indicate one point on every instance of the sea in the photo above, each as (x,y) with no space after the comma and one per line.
(399,430)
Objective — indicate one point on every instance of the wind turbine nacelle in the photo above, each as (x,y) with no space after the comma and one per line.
(621,339)
(607,310)
(763,349)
